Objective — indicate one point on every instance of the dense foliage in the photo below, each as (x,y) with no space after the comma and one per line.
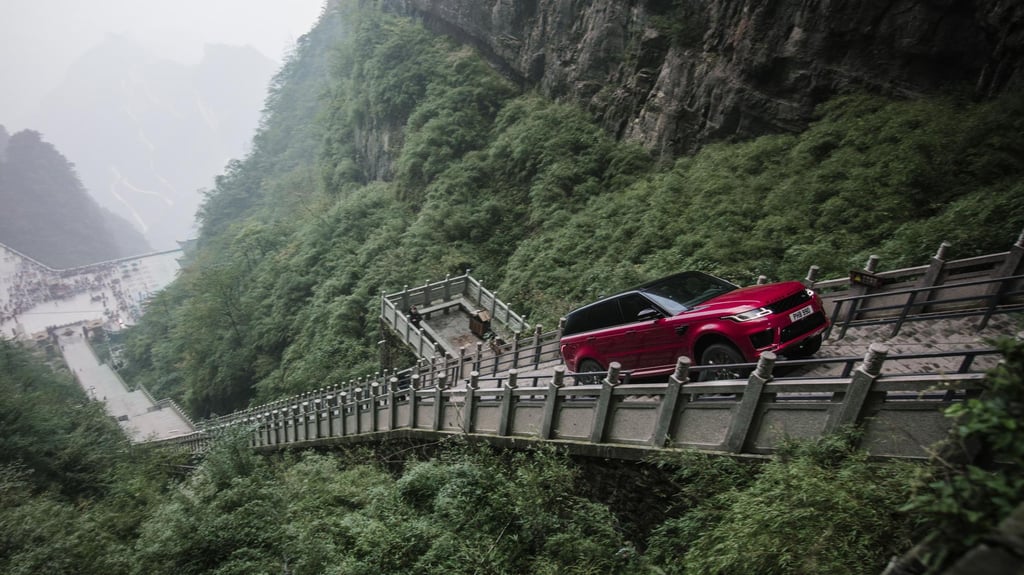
(48,215)
(389,156)
(72,496)
(73,499)
(978,478)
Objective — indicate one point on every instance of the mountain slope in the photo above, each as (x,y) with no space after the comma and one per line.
(47,213)
(147,134)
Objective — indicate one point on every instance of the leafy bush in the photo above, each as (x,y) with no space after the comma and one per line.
(819,507)
(978,479)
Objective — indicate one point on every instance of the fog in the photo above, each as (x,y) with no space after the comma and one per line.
(39,39)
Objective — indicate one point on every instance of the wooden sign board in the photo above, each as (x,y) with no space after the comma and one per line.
(861,277)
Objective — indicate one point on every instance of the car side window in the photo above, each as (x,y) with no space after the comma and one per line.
(632,304)
(595,316)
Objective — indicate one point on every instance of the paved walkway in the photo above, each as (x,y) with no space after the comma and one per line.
(140,417)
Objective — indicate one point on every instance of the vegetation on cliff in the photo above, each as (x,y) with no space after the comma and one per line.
(389,156)
(75,499)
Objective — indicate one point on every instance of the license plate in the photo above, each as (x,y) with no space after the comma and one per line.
(800,313)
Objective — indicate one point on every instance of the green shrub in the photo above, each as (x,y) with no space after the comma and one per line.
(977,480)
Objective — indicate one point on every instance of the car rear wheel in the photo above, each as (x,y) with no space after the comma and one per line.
(592,369)
(722,354)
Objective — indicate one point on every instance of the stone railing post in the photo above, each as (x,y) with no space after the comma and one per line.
(447,293)
(515,349)
(604,402)
(858,290)
(318,417)
(462,364)
(860,384)
(507,400)
(739,427)
(414,384)
(468,415)
(1013,265)
(668,402)
(551,403)
(537,329)
(405,299)
(357,400)
(812,276)
(929,279)
(439,401)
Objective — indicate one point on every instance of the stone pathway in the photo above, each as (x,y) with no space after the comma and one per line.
(139,417)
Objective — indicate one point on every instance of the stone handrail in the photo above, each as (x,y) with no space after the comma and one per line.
(901,414)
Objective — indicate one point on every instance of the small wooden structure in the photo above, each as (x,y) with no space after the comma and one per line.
(480,322)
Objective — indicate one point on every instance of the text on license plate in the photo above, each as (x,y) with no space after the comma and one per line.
(800,313)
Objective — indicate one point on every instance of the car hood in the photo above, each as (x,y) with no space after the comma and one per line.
(751,297)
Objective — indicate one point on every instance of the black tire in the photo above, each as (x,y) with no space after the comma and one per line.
(722,354)
(807,348)
(586,366)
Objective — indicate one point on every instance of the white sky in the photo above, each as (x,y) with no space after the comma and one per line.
(39,39)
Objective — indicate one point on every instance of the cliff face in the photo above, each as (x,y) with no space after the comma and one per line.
(675,74)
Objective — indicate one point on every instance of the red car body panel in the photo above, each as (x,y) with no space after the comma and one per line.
(782,317)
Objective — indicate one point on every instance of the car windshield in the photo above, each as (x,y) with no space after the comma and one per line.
(681,292)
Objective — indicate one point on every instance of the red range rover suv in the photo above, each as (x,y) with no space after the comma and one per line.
(697,315)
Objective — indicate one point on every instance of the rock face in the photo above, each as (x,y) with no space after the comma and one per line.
(675,74)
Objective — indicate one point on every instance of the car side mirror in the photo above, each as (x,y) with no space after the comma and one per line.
(648,314)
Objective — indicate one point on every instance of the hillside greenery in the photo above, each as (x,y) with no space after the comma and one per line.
(389,156)
(74,498)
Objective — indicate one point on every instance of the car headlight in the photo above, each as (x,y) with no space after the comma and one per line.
(749,315)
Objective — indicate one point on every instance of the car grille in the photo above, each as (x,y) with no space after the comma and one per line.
(802,326)
(761,339)
(789,302)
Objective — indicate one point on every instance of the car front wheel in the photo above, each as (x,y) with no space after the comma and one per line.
(591,368)
(721,354)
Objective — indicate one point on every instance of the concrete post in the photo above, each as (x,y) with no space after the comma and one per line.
(667,410)
(864,376)
(604,402)
(507,400)
(739,427)
(358,402)
(468,413)
(551,403)
(1013,265)
(536,344)
(414,384)
(439,402)
(812,276)
(461,371)
(929,279)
